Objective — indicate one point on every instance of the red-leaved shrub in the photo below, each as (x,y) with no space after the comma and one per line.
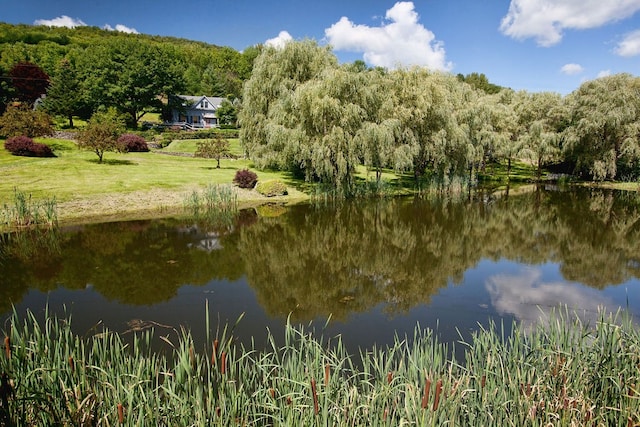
(245,178)
(25,146)
(133,143)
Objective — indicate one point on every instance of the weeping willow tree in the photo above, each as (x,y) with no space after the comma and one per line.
(603,137)
(542,116)
(265,123)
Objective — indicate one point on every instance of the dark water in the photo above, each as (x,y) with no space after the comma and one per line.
(377,267)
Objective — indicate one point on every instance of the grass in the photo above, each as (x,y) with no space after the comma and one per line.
(562,373)
(190,145)
(124,184)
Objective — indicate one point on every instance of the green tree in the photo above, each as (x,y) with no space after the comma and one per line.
(102,132)
(480,82)
(603,135)
(215,148)
(227,113)
(63,97)
(21,119)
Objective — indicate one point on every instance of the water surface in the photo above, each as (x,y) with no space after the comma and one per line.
(376,268)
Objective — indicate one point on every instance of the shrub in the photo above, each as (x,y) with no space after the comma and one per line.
(272,188)
(25,146)
(245,178)
(20,120)
(133,143)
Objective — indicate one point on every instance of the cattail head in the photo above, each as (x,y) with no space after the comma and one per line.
(72,364)
(120,413)
(7,346)
(192,357)
(314,393)
(327,373)
(272,393)
(425,396)
(223,363)
(483,381)
(436,401)
(389,377)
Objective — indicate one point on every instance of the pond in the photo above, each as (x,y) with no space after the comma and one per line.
(375,268)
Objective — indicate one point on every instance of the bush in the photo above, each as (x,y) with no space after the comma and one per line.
(25,146)
(133,143)
(272,188)
(245,178)
(20,120)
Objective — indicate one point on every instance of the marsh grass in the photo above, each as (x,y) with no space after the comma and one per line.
(215,204)
(563,373)
(23,211)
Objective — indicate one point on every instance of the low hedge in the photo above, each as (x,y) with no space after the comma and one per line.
(25,146)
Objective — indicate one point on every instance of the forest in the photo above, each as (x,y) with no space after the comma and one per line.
(302,111)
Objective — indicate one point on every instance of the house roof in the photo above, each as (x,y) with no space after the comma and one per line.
(192,101)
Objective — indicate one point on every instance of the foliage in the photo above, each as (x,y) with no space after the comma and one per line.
(25,146)
(480,81)
(29,81)
(216,206)
(227,113)
(215,148)
(63,96)
(272,188)
(20,120)
(102,132)
(561,371)
(132,143)
(245,178)
(603,134)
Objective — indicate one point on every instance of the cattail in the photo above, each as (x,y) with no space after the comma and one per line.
(272,392)
(483,381)
(425,396)
(7,346)
(214,353)
(72,364)
(327,372)
(455,387)
(120,413)
(389,377)
(314,393)
(289,401)
(218,411)
(436,401)
(192,357)
(223,363)
(385,414)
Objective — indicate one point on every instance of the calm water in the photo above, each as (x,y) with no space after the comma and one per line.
(376,267)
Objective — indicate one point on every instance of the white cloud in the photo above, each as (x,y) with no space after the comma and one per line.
(630,45)
(531,300)
(278,42)
(571,69)
(121,28)
(61,21)
(604,73)
(401,41)
(545,20)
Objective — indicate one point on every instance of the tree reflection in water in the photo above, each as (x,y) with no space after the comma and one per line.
(319,261)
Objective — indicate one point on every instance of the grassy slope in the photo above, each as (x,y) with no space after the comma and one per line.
(124,184)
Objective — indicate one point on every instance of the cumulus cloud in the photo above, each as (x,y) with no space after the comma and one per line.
(531,300)
(604,73)
(61,21)
(400,41)
(121,28)
(630,45)
(545,20)
(278,42)
(571,69)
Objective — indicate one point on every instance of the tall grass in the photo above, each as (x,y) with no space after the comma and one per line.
(23,211)
(565,373)
(216,204)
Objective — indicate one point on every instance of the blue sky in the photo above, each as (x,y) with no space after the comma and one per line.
(535,45)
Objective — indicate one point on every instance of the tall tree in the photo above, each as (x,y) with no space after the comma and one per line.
(102,132)
(603,138)
(63,97)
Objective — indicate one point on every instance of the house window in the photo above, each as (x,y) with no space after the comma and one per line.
(196,119)
(205,104)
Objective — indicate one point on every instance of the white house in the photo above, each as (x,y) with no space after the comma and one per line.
(195,112)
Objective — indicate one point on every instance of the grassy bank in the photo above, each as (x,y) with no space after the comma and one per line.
(564,373)
(125,185)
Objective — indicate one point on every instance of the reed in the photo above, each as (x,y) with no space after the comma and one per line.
(216,205)
(563,373)
(23,211)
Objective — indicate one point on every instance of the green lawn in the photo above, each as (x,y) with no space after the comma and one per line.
(76,177)
(190,145)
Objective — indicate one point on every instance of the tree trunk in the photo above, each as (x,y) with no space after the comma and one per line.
(71,121)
